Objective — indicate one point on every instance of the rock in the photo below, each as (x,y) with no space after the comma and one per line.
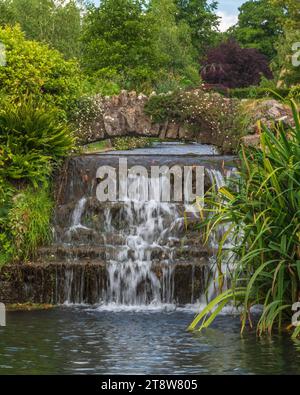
(252,140)
(186,134)
(163,130)
(172,131)
(270,112)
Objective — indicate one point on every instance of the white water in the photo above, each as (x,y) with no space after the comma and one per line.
(135,280)
(77,215)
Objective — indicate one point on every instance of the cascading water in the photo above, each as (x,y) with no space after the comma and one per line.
(139,251)
(151,230)
(77,214)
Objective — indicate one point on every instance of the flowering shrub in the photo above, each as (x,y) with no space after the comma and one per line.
(197,110)
(87,114)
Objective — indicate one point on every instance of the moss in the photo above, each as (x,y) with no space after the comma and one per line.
(99,146)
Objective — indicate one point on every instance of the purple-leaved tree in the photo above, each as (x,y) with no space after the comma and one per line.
(232,66)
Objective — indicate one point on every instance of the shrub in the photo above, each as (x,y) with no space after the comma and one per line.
(29,222)
(235,67)
(34,69)
(32,139)
(261,209)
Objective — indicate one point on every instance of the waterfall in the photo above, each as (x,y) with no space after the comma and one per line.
(141,250)
(152,228)
(132,277)
(77,215)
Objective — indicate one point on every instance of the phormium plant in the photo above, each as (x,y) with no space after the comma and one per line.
(262,208)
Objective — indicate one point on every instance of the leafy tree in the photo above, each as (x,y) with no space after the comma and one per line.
(287,73)
(235,67)
(55,22)
(34,69)
(173,44)
(117,39)
(259,26)
(201,17)
(291,11)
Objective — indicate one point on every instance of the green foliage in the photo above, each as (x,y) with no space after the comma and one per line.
(29,222)
(57,23)
(255,92)
(145,48)
(173,48)
(117,38)
(32,139)
(34,69)
(6,194)
(200,16)
(295,93)
(291,17)
(106,82)
(262,209)
(128,143)
(287,74)
(259,26)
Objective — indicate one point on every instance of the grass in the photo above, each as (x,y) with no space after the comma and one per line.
(262,207)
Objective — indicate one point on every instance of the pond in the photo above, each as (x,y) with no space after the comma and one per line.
(70,340)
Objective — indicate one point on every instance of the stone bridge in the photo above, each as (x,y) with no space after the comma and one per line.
(123,115)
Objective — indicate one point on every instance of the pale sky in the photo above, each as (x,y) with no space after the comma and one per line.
(228,11)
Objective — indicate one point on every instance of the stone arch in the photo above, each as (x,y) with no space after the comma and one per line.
(123,116)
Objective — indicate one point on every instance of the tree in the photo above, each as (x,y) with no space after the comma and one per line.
(201,17)
(291,12)
(235,67)
(117,39)
(288,73)
(55,22)
(173,43)
(259,26)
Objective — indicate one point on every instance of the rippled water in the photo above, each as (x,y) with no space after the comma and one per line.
(86,341)
(170,148)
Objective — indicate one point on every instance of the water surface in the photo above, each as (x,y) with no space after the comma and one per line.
(86,341)
(170,148)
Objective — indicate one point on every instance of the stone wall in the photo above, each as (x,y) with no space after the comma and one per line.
(49,283)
